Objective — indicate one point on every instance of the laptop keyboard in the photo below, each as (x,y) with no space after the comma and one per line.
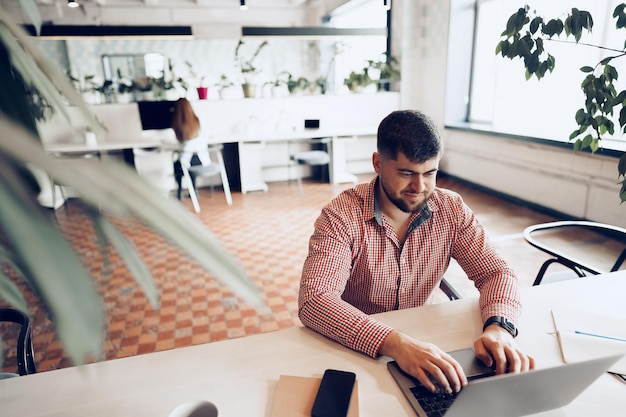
(435,405)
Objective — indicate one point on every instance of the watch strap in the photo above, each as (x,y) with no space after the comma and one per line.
(503,322)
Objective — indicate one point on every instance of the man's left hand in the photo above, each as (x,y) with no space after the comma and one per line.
(497,345)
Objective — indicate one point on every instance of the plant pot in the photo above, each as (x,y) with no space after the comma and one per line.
(203,92)
(249,90)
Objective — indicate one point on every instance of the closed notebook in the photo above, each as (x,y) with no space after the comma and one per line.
(295,396)
(585,335)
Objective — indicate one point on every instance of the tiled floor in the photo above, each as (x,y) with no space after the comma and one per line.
(268,233)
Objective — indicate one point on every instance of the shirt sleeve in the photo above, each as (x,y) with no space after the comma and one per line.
(324,276)
(492,276)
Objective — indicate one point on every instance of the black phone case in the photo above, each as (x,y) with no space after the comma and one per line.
(333,396)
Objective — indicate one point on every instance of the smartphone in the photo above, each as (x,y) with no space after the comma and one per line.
(333,396)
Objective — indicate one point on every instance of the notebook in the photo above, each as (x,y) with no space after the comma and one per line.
(487,394)
(295,396)
(586,335)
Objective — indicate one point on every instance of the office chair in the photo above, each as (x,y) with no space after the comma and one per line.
(196,170)
(577,268)
(312,158)
(25,353)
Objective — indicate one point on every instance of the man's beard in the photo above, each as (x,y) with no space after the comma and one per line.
(401,204)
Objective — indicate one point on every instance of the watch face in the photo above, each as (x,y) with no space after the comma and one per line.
(510,327)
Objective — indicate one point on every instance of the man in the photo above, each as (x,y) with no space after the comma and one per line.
(386,245)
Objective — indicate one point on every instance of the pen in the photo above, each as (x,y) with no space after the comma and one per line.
(599,335)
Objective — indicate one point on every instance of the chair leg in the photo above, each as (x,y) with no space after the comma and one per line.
(192,190)
(225,184)
(299,178)
(546,264)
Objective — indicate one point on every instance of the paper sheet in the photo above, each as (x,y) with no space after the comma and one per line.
(576,346)
(295,396)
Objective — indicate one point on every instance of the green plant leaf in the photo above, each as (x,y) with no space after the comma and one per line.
(553,27)
(131,258)
(51,266)
(116,187)
(43,73)
(621,166)
(619,14)
(11,293)
(535,24)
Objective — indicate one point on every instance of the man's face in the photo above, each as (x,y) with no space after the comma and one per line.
(408,185)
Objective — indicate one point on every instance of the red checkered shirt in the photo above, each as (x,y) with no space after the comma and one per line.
(356,266)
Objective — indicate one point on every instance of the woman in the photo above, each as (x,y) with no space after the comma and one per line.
(194,150)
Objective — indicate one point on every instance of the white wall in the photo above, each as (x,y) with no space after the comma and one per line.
(287,114)
(576,184)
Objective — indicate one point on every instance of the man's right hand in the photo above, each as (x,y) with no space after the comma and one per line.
(425,361)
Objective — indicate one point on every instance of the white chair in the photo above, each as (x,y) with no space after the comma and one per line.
(155,166)
(197,169)
(312,158)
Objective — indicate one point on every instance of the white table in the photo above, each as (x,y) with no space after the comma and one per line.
(250,145)
(249,148)
(51,195)
(240,375)
(105,146)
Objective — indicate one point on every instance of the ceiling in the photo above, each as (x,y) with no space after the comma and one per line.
(207,17)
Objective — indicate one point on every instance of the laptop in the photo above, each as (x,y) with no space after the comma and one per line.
(487,394)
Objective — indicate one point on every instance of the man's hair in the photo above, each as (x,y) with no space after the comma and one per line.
(410,132)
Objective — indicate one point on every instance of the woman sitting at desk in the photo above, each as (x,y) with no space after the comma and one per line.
(194,150)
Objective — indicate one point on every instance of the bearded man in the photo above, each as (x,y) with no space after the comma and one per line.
(386,245)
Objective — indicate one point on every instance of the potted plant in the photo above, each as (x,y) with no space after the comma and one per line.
(294,85)
(87,87)
(247,68)
(223,84)
(125,88)
(201,88)
(319,86)
(356,81)
(387,72)
(164,87)
(33,246)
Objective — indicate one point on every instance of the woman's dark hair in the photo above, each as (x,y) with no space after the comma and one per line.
(185,123)
(410,132)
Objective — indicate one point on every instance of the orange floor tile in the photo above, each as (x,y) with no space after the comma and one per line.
(268,233)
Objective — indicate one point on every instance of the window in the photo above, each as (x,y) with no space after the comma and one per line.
(497,96)
(352,54)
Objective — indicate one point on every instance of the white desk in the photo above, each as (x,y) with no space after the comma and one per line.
(240,375)
(51,194)
(250,146)
(82,148)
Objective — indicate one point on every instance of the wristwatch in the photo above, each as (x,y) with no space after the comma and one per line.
(502,322)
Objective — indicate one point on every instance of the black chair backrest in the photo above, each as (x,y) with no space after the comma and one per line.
(25,360)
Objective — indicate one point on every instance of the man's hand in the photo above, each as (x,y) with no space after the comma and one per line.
(497,345)
(425,361)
